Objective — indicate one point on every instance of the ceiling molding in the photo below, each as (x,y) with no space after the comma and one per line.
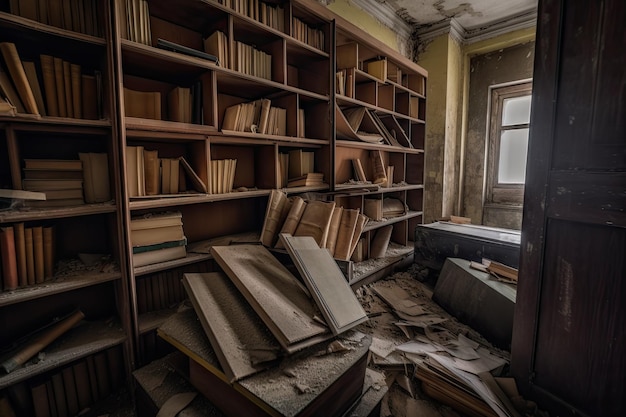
(386,15)
(468,36)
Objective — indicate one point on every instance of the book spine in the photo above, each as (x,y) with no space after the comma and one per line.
(16,69)
(47,71)
(48,252)
(38,253)
(76,90)
(20,251)
(60,86)
(67,85)
(30,255)
(9,263)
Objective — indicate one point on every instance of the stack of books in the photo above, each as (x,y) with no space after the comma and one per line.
(258,117)
(60,179)
(157,237)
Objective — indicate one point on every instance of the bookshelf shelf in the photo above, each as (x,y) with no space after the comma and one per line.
(191,258)
(58,284)
(373,225)
(83,340)
(32,214)
(24,25)
(158,127)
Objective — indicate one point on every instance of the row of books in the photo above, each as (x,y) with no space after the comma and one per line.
(223,175)
(258,116)
(135,25)
(344,82)
(335,228)
(217,44)
(252,61)
(307,34)
(67,182)
(76,15)
(147,174)
(74,389)
(184,104)
(272,15)
(66,92)
(157,237)
(27,254)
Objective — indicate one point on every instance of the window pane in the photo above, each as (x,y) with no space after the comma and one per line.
(513,151)
(516,110)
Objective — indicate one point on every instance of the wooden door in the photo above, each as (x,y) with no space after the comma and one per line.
(569,338)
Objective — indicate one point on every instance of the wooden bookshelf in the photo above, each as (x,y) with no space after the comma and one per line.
(171,103)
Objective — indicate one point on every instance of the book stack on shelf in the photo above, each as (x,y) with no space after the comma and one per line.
(272,15)
(77,16)
(28,255)
(157,237)
(60,180)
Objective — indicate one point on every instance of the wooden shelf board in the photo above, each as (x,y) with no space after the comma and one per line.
(33,122)
(21,23)
(362,189)
(380,146)
(406,89)
(31,214)
(274,138)
(61,283)
(349,101)
(236,83)
(139,124)
(313,188)
(191,258)
(372,225)
(197,198)
(83,340)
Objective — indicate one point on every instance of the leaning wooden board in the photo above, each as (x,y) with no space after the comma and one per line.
(241,341)
(273,292)
(326,282)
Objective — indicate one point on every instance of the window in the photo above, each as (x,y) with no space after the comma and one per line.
(508,142)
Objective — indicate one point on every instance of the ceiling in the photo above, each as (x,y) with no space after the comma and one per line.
(469,14)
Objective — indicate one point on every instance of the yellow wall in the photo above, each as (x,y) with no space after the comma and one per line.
(365,21)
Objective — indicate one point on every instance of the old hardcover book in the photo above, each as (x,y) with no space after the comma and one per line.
(9,261)
(359,172)
(102,374)
(157,220)
(347,226)
(39,394)
(380,242)
(162,245)
(59,394)
(358,229)
(8,91)
(71,396)
(81,377)
(49,85)
(151,171)
(33,80)
(315,221)
(377,68)
(156,236)
(54,164)
(30,255)
(231,117)
(333,230)
(76,84)
(20,254)
(159,255)
(273,218)
(96,177)
(48,251)
(38,253)
(51,184)
(378,167)
(67,83)
(293,218)
(373,208)
(16,69)
(90,97)
(196,181)
(179,104)
(143,104)
(59,84)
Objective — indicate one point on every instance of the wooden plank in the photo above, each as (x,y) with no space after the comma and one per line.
(242,343)
(326,283)
(275,294)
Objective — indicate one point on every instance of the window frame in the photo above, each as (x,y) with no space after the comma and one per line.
(502,193)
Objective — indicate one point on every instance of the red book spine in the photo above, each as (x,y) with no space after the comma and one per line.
(9,261)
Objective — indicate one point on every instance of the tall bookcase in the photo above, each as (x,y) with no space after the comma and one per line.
(166,100)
